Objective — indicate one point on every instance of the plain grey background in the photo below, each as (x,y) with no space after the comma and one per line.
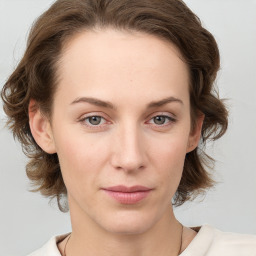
(27,220)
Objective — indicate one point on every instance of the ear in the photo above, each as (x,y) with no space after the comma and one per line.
(41,128)
(195,134)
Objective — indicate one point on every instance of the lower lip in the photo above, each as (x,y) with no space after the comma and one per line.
(128,198)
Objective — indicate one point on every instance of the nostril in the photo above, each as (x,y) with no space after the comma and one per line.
(128,152)
(130,168)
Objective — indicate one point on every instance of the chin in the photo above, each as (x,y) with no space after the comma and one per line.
(130,229)
(130,223)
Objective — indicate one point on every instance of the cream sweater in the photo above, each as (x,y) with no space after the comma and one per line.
(208,242)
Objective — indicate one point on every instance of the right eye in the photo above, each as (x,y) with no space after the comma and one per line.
(93,120)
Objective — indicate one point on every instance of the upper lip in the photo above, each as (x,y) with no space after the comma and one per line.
(125,189)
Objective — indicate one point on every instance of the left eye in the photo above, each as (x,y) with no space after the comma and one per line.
(94,120)
(161,120)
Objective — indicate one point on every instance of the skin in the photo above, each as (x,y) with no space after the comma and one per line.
(132,142)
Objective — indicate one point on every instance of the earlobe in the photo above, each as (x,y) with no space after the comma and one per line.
(195,134)
(40,128)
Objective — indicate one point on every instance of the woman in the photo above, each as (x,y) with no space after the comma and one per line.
(110,102)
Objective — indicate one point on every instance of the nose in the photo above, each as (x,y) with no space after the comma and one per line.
(128,149)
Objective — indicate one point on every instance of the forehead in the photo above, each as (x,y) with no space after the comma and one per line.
(109,60)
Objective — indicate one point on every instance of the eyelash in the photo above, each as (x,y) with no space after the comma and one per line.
(170,120)
(85,121)
(91,126)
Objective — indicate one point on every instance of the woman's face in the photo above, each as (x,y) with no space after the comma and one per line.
(121,128)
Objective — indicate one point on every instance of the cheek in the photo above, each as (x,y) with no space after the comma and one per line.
(169,160)
(171,150)
(81,157)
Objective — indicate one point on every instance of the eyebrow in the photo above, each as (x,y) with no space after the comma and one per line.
(106,104)
(94,101)
(164,102)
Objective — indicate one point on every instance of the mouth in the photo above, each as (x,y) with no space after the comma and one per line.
(128,195)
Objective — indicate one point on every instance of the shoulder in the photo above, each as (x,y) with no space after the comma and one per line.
(233,243)
(50,248)
(212,242)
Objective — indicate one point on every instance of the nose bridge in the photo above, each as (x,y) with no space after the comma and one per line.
(129,152)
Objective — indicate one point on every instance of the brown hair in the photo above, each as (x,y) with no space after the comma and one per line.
(35,78)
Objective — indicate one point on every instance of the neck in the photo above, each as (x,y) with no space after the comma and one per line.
(88,238)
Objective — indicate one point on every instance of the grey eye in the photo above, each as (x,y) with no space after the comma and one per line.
(160,119)
(94,120)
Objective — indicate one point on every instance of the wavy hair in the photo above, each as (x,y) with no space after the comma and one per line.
(35,78)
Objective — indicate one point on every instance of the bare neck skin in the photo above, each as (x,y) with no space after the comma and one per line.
(163,239)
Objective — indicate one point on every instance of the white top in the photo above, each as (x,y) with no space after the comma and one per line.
(208,242)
